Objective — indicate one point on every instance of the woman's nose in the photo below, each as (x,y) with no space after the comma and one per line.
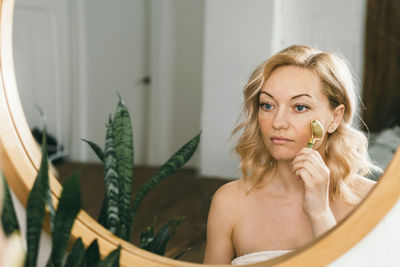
(280,119)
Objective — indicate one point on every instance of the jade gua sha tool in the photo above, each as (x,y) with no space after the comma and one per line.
(317,131)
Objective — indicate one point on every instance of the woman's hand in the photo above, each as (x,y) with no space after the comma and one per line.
(309,166)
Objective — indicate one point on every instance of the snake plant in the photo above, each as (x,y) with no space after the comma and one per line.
(61,222)
(118,211)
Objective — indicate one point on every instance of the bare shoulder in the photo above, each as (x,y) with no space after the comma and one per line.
(223,211)
(228,194)
(362,186)
(220,224)
(230,188)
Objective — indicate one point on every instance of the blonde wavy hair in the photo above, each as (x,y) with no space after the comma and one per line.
(346,153)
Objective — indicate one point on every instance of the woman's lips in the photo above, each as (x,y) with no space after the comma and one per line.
(279,140)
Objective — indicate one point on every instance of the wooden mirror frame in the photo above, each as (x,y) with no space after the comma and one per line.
(20,158)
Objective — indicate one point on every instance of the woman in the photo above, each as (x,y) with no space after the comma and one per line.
(290,194)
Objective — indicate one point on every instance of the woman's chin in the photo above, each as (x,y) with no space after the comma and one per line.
(283,153)
(283,156)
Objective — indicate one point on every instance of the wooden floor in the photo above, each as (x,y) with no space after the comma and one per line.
(183,194)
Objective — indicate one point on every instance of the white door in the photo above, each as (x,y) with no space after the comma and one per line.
(71,59)
(40,44)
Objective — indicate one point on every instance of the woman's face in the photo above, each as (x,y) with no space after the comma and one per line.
(289,100)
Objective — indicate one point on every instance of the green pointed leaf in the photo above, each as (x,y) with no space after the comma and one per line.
(8,216)
(36,207)
(92,255)
(169,168)
(112,182)
(76,256)
(96,149)
(123,140)
(180,254)
(159,244)
(68,208)
(112,259)
(147,236)
(102,219)
(50,205)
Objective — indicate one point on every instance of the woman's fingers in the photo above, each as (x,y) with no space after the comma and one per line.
(306,165)
(307,172)
(311,168)
(308,154)
(312,162)
(303,174)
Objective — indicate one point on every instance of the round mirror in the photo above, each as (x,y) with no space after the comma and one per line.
(20,155)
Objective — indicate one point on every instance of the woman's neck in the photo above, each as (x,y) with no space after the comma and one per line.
(283,180)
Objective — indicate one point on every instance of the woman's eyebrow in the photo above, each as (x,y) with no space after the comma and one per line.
(263,92)
(296,96)
(293,97)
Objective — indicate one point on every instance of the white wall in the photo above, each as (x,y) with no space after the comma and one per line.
(379,248)
(121,44)
(125,42)
(41,58)
(176,69)
(236,39)
(90,50)
(240,34)
(116,55)
(334,26)
(186,106)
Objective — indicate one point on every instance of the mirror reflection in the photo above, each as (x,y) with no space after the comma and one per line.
(179,67)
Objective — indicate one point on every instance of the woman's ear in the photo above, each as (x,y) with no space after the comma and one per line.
(336,118)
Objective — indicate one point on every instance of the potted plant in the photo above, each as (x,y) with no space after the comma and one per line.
(61,222)
(118,211)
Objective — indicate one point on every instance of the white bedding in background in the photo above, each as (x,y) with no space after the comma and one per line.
(383,145)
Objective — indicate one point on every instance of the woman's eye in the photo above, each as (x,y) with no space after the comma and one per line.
(301,108)
(266,106)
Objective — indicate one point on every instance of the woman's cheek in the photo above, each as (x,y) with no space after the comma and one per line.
(303,130)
